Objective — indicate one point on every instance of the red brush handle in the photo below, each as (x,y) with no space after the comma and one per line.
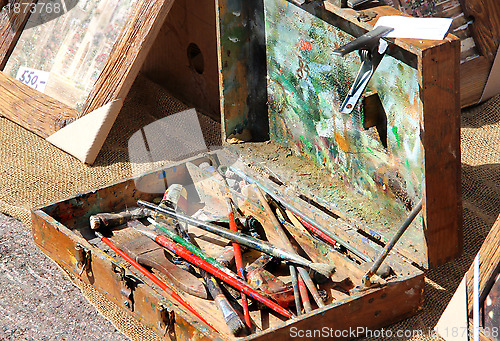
(304,295)
(316,231)
(156,280)
(239,268)
(235,282)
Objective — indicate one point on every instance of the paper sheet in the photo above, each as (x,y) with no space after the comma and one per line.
(417,28)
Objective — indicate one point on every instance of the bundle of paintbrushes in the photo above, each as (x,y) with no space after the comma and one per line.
(247,248)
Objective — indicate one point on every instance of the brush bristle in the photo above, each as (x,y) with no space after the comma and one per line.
(324,269)
(235,324)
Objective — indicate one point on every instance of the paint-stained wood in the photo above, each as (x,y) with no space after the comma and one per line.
(439,83)
(128,53)
(32,109)
(306,86)
(11,25)
(241,51)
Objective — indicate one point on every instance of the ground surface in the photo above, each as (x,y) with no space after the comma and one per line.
(37,301)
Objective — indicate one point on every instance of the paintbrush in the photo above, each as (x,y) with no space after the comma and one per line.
(256,244)
(175,198)
(285,242)
(205,265)
(296,292)
(279,293)
(155,279)
(237,258)
(230,315)
(278,197)
(304,295)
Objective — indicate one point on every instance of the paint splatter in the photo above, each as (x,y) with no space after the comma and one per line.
(396,135)
(304,45)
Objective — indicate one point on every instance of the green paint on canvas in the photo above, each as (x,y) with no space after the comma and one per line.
(306,86)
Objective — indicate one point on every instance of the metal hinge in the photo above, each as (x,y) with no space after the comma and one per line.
(371,49)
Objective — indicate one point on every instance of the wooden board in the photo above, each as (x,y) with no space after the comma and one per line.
(241,51)
(32,109)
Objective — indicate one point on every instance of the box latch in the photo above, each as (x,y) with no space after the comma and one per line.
(127,285)
(82,256)
(166,319)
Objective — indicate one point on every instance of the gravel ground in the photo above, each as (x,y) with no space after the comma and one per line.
(37,301)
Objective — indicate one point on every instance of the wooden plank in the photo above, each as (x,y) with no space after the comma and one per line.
(32,109)
(439,82)
(374,310)
(241,51)
(11,25)
(486,26)
(473,76)
(128,53)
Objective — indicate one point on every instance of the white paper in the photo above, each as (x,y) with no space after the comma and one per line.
(417,28)
(36,79)
(453,325)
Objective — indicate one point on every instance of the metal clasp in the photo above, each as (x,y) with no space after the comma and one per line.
(82,255)
(371,50)
(166,318)
(128,284)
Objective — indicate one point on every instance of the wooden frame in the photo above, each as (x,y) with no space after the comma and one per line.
(43,115)
(489,267)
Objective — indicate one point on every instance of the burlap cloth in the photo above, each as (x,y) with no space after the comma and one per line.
(33,173)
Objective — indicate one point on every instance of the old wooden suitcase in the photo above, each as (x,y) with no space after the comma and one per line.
(358,174)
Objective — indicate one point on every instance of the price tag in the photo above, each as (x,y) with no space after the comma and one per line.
(36,79)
